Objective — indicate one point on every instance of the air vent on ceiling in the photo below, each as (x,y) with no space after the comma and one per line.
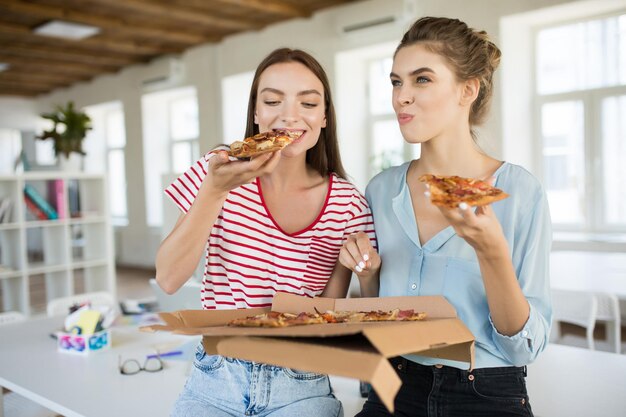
(375,15)
(368,24)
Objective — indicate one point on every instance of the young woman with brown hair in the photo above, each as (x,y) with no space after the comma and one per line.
(491,263)
(274,223)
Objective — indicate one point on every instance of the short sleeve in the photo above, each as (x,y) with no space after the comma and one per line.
(184,189)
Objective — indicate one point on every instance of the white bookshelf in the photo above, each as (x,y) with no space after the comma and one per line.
(55,253)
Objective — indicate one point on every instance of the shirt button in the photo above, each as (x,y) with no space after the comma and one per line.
(413,286)
(524,333)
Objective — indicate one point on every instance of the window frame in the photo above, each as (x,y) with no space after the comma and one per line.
(372,119)
(595,221)
(192,141)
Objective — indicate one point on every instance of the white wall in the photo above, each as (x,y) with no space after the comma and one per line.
(18,113)
(207,64)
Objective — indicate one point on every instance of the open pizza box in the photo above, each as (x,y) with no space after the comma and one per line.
(354,350)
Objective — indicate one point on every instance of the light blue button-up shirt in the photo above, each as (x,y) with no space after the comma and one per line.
(447,265)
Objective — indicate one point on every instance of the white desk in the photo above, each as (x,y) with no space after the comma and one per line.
(88,386)
(564,381)
(574,382)
(589,271)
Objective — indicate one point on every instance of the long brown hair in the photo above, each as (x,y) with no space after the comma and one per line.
(470,53)
(324,156)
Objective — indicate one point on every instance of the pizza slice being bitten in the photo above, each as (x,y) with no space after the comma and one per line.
(450,191)
(261,143)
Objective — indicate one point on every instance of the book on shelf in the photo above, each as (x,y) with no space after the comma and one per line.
(73,197)
(37,199)
(5,209)
(56,197)
(34,209)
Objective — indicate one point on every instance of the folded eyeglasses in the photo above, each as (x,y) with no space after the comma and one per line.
(132,366)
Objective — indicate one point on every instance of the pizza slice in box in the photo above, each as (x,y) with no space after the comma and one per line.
(450,191)
(277,319)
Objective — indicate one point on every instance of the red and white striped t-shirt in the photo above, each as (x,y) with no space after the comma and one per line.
(249,258)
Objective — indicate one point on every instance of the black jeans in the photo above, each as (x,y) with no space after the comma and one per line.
(442,391)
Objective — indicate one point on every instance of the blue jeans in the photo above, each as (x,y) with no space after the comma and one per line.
(435,391)
(225,387)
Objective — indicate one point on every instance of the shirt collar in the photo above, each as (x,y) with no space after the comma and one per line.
(403,210)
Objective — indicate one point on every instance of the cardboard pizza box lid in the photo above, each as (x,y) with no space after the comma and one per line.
(356,350)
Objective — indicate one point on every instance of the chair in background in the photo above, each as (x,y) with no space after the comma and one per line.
(13,404)
(61,306)
(585,309)
(609,314)
(574,307)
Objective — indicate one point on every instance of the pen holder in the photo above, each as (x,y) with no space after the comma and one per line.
(83,344)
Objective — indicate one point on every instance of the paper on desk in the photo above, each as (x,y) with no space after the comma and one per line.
(138,319)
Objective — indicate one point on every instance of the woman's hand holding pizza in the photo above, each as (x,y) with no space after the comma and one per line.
(358,255)
(225,174)
(480,228)
(455,197)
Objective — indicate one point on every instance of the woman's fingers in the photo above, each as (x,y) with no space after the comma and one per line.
(352,256)
(220,158)
(346,259)
(365,250)
(358,254)
(228,174)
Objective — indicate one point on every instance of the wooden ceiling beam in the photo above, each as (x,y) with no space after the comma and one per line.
(25,74)
(267,6)
(32,84)
(58,54)
(177,12)
(118,25)
(25,87)
(23,33)
(16,91)
(55,67)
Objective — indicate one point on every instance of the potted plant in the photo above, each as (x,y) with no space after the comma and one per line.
(68,131)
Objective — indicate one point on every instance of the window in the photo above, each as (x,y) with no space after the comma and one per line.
(105,148)
(581,94)
(388,145)
(235,93)
(170,142)
(183,132)
(10,148)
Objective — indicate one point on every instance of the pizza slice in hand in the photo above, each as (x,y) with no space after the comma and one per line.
(450,191)
(261,143)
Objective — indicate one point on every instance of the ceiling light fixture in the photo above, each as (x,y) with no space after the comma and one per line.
(66,30)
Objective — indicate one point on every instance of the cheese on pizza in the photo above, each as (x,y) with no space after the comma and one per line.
(450,191)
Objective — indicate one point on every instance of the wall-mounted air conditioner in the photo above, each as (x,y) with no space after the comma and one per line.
(162,74)
(375,15)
